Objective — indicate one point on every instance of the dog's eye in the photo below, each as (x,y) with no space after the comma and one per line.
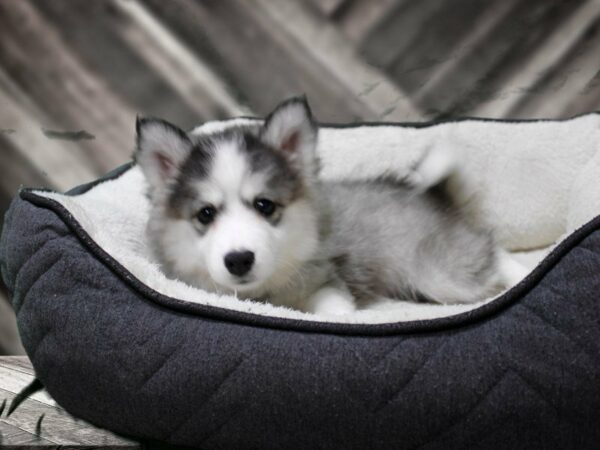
(206,215)
(264,206)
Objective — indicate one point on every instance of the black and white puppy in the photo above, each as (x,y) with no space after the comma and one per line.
(243,211)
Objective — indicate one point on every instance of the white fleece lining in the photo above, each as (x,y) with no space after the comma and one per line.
(532,182)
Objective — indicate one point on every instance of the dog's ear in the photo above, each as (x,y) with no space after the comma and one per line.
(161,149)
(291,130)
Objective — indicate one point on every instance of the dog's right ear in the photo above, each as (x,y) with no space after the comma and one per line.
(161,149)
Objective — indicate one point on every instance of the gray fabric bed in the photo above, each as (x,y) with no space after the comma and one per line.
(518,371)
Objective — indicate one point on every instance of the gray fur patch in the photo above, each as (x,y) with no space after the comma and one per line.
(195,168)
(283,181)
(390,241)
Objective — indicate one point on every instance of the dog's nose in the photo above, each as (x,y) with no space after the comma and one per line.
(239,263)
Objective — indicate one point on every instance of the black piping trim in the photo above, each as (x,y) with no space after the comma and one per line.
(430,123)
(485,312)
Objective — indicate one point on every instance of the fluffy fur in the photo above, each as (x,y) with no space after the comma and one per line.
(496,161)
(325,247)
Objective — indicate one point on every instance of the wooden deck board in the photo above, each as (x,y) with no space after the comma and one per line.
(17,363)
(57,426)
(11,435)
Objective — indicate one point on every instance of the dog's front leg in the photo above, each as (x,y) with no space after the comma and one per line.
(331,300)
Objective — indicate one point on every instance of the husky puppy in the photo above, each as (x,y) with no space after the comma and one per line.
(243,211)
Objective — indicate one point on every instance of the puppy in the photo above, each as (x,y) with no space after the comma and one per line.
(243,211)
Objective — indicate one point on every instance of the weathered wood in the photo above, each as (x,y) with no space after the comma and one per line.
(360,16)
(495,13)
(396,30)
(481,74)
(195,82)
(242,38)
(138,55)
(17,363)
(57,427)
(381,99)
(588,97)
(555,47)
(61,164)
(11,436)
(569,89)
(436,43)
(71,96)
(329,7)
(18,170)
(14,379)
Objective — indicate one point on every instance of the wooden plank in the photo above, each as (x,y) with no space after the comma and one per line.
(329,7)
(197,84)
(437,82)
(558,45)
(60,163)
(17,363)
(396,30)
(14,380)
(360,16)
(138,55)
(91,31)
(12,436)
(573,88)
(57,426)
(248,37)
(587,99)
(70,95)
(328,47)
(481,74)
(427,50)
(18,170)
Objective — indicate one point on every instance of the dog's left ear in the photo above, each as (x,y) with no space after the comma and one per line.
(161,150)
(291,130)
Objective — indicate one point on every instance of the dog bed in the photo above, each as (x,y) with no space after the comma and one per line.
(120,345)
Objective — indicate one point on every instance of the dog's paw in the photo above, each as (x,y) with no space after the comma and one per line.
(331,301)
(437,165)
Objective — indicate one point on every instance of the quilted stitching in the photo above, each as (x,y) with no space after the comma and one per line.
(308,405)
(209,396)
(467,414)
(399,391)
(43,269)
(576,345)
(162,363)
